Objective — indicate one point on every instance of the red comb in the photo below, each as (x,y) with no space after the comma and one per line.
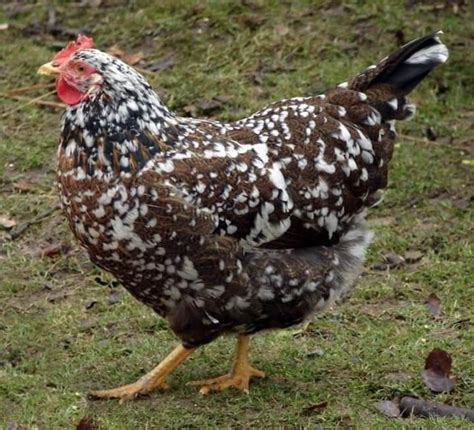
(82,42)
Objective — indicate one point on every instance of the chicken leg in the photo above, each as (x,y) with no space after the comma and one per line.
(240,374)
(153,380)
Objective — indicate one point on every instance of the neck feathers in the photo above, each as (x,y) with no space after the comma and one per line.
(115,133)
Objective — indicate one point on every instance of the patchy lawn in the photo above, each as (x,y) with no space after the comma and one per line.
(62,332)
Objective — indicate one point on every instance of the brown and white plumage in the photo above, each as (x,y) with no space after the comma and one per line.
(230,227)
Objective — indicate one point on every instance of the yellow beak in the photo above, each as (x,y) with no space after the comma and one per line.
(49,69)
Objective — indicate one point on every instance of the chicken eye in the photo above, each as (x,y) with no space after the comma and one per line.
(80,68)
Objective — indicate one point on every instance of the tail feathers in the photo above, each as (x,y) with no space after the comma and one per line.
(407,67)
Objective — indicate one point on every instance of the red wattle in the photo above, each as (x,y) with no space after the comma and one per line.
(67,93)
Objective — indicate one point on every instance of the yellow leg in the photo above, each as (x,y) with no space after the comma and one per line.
(240,374)
(153,380)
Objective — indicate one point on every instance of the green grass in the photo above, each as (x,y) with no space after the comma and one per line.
(54,346)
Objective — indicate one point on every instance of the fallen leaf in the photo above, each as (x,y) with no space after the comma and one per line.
(380,266)
(116,51)
(413,256)
(191,110)
(433,303)
(23,184)
(208,107)
(135,58)
(131,59)
(222,99)
(315,409)
(113,298)
(52,250)
(162,63)
(393,260)
(390,408)
(87,423)
(436,374)
(6,223)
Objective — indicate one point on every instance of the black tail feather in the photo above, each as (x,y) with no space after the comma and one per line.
(407,67)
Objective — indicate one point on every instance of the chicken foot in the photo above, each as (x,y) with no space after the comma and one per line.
(238,377)
(153,380)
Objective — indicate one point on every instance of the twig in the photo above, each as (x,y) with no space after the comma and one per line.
(37,100)
(427,408)
(17,232)
(30,88)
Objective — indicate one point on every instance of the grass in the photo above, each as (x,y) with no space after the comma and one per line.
(60,336)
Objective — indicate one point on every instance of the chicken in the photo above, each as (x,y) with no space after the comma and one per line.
(226,228)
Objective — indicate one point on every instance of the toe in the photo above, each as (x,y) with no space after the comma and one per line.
(257,373)
(211,381)
(127,392)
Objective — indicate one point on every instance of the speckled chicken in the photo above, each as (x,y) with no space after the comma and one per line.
(226,227)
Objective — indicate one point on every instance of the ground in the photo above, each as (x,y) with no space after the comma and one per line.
(63,333)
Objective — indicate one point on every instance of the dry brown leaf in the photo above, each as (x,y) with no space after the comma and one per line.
(393,260)
(135,58)
(116,51)
(413,256)
(87,423)
(433,303)
(380,266)
(162,63)
(52,250)
(113,298)
(48,250)
(30,180)
(390,408)
(6,223)
(131,59)
(23,184)
(436,374)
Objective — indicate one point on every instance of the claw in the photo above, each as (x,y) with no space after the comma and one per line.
(154,380)
(238,378)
